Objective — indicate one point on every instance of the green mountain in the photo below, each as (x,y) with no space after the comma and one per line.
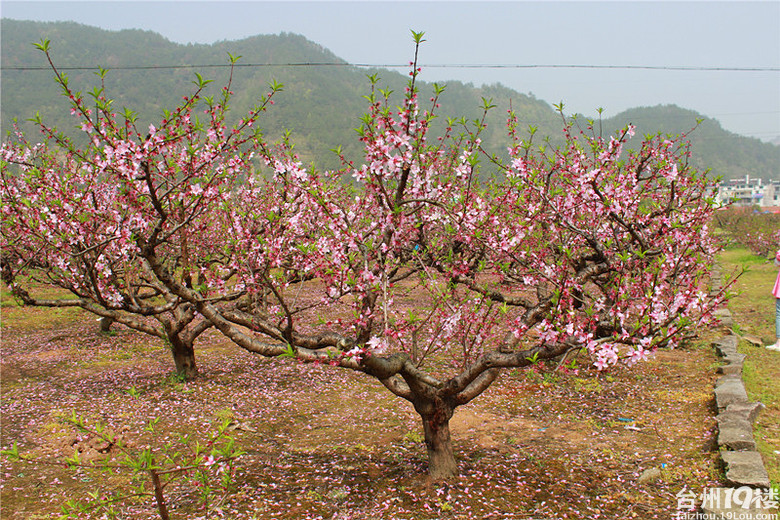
(727,154)
(320,104)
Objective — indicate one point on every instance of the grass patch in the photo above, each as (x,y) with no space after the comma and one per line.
(743,257)
(754,311)
(28,319)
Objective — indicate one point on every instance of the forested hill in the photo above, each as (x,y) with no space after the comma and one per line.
(726,153)
(320,105)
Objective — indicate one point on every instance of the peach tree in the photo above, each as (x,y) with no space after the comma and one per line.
(73,211)
(426,265)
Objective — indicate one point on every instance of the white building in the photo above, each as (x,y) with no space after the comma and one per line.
(749,192)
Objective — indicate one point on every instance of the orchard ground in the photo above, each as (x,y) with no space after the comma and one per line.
(332,444)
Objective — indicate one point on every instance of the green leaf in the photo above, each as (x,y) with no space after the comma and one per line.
(487,103)
(385,93)
(289,352)
(151,424)
(418,37)
(12,453)
(43,46)
(74,460)
(276,86)
(201,83)
(131,116)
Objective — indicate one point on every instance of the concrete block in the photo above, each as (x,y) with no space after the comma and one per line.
(745,468)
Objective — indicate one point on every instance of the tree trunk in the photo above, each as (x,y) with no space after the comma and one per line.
(436,425)
(105,324)
(184,357)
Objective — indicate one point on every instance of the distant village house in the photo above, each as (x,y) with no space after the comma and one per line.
(750,192)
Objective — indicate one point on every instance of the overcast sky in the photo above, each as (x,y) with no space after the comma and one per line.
(696,35)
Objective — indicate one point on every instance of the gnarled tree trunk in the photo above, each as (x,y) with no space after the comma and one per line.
(436,415)
(183,356)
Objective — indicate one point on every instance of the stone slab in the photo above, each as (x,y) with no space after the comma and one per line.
(726,345)
(726,323)
(748,411)
(732,392)
(724,311)
(730,369)
(724,317)
(745,468)
(735,432)
(753,340)
(734,358)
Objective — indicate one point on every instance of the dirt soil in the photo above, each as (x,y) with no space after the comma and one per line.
(326,443)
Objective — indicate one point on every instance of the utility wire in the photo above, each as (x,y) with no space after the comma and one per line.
(406,65)
(395,66)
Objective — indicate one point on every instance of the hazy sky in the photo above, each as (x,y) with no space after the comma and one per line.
(696,35)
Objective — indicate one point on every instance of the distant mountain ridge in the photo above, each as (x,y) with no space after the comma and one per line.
(320,105)
(726,153)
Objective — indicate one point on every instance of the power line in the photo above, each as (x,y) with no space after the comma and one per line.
(621,67)
(172,67)
(406,65)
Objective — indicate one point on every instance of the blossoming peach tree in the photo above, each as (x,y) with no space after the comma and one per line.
(415,265)
(73,215)
(758,232)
